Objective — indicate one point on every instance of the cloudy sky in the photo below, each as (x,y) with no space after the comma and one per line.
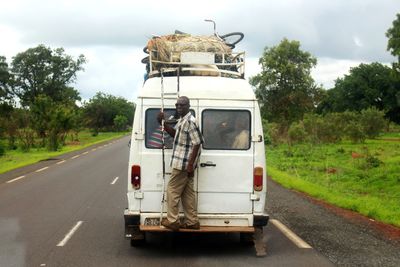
(112,33)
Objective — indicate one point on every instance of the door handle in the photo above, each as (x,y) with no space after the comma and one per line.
(208,164)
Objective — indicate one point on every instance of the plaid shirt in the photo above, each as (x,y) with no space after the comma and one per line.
(187,135)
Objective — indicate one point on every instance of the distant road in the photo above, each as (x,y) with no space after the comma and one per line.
(69,212)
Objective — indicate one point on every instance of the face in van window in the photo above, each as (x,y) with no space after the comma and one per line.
(226,129)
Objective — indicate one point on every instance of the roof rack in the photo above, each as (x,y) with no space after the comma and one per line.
(197,64)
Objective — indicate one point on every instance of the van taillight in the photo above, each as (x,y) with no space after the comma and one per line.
(135,176)
(258,178)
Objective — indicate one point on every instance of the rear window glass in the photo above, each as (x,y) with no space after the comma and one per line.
(153,131)
(226,129)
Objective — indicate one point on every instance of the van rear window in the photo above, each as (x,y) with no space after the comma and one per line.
(226,129)
(153,131)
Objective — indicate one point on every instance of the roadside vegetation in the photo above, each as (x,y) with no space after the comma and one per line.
(362,177)
(16,158)
(340,145)
(43,115)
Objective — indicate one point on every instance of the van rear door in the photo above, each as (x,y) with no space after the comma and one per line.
(225,173)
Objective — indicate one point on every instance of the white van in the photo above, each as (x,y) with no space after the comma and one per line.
(230,181)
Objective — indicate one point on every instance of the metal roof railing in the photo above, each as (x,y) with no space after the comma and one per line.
(196,64)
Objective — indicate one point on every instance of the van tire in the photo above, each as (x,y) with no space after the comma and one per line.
(247,239)
(138,242)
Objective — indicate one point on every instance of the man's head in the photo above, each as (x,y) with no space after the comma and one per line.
(182,106)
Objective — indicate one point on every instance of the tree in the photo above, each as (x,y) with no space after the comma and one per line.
(5,99)
(120,123)
(285,87)
(102,109)
(367,85)
(41,70)
(5,88)
(52,121)
(393,34)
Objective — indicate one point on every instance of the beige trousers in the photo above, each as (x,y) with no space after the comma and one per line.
(180,187)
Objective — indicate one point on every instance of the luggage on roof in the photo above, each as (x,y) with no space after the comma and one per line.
(194,55)
(177,43)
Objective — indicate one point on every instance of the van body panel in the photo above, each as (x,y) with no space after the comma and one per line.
(259,160)
(224,183)
(221,203)
(199,88)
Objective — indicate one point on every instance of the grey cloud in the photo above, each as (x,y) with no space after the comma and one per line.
(328,31)
(324,28)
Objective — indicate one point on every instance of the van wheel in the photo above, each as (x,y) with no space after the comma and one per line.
(138,242)
(247,239)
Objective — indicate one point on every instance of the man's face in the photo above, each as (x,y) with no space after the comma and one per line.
(182,107)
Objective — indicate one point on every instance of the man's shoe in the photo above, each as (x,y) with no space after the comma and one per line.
(173,226)
(195,226)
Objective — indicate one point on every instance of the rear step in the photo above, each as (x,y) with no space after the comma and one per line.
(203,229)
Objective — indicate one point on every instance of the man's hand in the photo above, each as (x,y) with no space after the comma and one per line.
(190,170)
(160,117)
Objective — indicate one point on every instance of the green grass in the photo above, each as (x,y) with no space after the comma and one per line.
(369,184)
(16,158)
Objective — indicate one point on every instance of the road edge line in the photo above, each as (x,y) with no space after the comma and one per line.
(291,235)
(42,169)
(15,179)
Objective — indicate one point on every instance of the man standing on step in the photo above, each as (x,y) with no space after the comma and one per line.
(185,153)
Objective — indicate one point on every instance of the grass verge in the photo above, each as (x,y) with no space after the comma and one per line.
(359,177)
(16,158)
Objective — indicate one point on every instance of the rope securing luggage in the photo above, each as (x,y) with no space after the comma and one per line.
(166,45)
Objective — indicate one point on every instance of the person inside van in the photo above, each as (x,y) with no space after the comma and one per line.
(185,153)
(241,140)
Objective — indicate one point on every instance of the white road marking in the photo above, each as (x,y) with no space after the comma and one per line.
(42,169)
(115,180)
(15,179)
(61,162)
(289,234)
(94,149)
(74,157)
(84,153)
(70,234)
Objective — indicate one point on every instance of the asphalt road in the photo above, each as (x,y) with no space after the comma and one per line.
(69,212)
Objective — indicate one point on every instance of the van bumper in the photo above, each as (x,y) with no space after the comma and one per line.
(132,223)
(135,224)
(260,220)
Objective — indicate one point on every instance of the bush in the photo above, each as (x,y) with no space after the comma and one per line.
(26,137)
(312,123)
(373,162)
(332,130)
(372,121)
(2,150)
(120,123)
(355,132)
(266,131)
(323,129)
(276,133)
(297,133)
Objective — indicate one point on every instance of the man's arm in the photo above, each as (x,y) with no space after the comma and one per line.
(171,131)
(192,158)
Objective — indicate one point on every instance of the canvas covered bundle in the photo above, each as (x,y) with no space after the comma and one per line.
(167,47)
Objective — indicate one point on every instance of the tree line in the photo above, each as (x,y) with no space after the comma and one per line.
(289,96)
(39,107)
